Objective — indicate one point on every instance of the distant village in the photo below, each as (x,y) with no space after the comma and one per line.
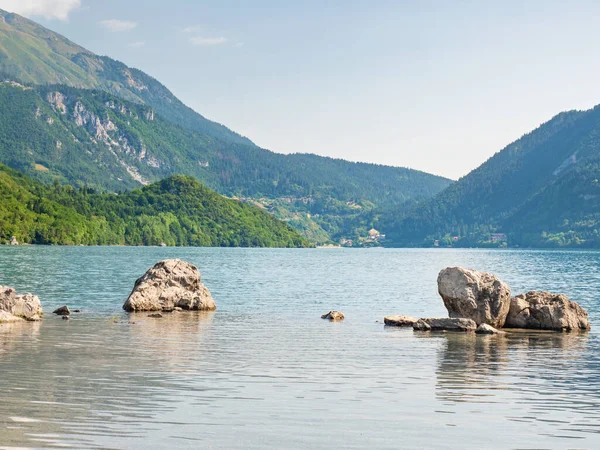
(373,237)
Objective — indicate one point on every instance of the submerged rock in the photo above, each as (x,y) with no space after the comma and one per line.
(26,306)
(170,284)
(62,311)
(399,321)
(155,315)
(452,324)
(546,311)
(484,328)
(479,296)
(333,316)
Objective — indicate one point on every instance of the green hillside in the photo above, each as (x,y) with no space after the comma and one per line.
(175,211)
(34,54)
(541,190)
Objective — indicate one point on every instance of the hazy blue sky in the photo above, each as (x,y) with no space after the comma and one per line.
(433,85)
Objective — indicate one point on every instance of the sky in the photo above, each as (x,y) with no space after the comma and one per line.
(438,86)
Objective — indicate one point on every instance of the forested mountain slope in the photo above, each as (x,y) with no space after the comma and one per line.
(33,54)
(541,190)
(175,211)
(92,138)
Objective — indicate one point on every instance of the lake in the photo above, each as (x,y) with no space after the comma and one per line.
(265,370)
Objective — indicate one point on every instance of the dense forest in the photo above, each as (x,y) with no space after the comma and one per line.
(175,211)
(540,191)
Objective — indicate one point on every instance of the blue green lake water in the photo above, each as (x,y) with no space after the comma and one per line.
(264,371)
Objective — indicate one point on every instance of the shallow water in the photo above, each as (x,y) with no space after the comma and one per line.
(265,371)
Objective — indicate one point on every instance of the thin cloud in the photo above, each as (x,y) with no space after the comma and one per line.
(137,44)
(239,44)
(50,9)
(207,41)
(192,29)
(115,25)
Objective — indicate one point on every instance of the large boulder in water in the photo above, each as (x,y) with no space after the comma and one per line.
(25,306)
(170,284)
(474,295)
(546,311)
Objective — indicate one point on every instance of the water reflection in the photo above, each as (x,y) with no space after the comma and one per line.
(94,377)
(533,376)
(11,332)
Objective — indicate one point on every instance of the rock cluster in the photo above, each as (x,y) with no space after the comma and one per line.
(14,308)
(481,302)
(170,284)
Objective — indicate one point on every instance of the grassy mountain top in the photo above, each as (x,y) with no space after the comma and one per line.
(174,211)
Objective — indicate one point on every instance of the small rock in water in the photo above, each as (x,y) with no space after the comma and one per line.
(13,241)
(484,328)
(333,316)
(156,316)
(65,317)
(62,311)
(454,324)
(77,311)
(399,321)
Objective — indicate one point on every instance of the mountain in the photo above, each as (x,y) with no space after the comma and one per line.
(542,190)
(91,121)
(34,54)
(176,211)
(90,137)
